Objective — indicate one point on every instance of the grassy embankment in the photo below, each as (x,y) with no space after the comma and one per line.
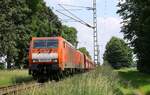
(10,77)
(102,81)
(134,82)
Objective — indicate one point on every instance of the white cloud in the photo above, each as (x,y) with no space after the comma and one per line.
(108,27)
(110,23)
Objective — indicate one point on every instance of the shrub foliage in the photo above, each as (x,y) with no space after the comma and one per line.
(118,54)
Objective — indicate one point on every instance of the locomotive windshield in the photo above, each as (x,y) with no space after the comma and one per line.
(45,43)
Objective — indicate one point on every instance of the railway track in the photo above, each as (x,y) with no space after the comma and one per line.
(17,88)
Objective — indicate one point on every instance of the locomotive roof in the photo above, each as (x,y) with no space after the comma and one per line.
(34,38)
(59,37)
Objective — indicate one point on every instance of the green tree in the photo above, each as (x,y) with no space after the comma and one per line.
(84,51)
(70,34)
(117,53)
(1,66)
(136,22)
(20,20)
(12,19)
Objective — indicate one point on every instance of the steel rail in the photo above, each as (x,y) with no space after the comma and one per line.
(17,88)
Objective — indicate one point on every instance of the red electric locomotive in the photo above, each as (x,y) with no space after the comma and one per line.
(50,56)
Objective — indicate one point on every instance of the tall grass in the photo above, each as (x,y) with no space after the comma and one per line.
(133,82)
(102,81)
(10,77)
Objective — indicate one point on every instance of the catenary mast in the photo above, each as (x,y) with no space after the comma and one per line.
(95,34)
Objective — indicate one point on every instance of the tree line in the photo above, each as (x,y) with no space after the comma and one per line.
(118,54)
(20,20)
(136,29)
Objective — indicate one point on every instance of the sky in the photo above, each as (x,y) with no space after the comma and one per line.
(107,19)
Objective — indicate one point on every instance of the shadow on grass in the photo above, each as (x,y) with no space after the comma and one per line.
(148,93)
(134,78)
(21,79)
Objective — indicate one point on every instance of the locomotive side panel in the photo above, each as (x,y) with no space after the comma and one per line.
(69,55)
(81,62)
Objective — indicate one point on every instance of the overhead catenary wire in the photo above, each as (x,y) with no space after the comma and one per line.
(89,8)
(69,9)
(75,19)
(69,17)
(83,22)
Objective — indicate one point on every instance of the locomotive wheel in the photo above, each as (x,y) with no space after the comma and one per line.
(42,78)
(34,76)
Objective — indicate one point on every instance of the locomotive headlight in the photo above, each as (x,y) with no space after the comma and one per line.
(35,60)
(54,60)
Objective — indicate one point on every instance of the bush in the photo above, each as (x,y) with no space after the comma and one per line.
(118,54)
(2,66)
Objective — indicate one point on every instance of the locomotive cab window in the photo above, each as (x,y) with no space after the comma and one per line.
(52,43)
(39,43)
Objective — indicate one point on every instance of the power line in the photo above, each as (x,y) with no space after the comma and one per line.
(70,9)
(89,8)
(85,23)
(75,19)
